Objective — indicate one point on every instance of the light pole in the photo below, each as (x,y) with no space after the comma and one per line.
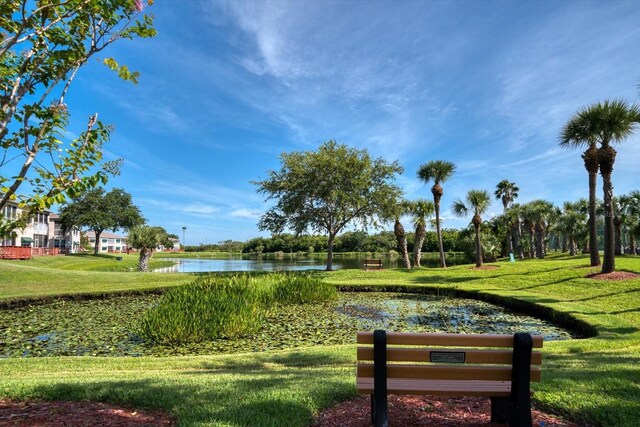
(184,240)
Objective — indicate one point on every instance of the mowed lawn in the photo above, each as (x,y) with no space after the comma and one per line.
(594,380)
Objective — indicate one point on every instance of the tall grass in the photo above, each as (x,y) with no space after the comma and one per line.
(214,307)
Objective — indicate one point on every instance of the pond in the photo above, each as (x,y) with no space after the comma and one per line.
(107,327)
(295,263)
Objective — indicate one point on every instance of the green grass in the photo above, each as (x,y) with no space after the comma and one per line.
(68,275)
(593,380)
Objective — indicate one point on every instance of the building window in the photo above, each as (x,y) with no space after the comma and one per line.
(40,240)
(104,248)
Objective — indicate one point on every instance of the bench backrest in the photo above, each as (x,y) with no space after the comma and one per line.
(445,356)
(374,262)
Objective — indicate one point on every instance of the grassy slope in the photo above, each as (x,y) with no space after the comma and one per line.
(46,276)
(593,380)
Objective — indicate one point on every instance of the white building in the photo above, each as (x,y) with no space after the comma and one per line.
(109,242)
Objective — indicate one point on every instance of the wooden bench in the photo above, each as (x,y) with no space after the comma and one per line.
(373,264)
(497,366)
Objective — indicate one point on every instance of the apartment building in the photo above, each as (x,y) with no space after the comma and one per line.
(109,242)
(42,231)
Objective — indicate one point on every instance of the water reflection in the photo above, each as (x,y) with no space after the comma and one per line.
(203,265)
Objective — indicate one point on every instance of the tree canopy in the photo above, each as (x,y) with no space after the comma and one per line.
(324,190)
(43,44)
(100,211)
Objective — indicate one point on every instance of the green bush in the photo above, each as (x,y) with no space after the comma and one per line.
(215,307)
(290,289)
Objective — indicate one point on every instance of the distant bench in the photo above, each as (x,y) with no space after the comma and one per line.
(373,264)
(429,368)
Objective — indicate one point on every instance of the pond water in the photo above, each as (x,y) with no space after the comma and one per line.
(297,263)
(107,327)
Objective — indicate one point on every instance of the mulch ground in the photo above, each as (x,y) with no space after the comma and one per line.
(616,275)
(430,411)
(38,413)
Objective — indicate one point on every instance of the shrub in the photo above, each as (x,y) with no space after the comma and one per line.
(215,307)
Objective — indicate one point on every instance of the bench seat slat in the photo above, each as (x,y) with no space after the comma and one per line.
(439,387)
(443,339)
(496,357)
(441,372)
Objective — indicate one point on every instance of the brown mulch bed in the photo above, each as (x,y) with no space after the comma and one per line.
(616,275)
(39,413)
(433,411)
(485,267)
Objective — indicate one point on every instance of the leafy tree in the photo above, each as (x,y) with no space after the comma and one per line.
(571,222)
(43,44)
(606,123)
(478,202)
(100,211)
(421,210)
(146,239)
(437,171)
(324,190)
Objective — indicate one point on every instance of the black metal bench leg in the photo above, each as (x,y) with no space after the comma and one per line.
(520,381)
(500,407)
(379,397)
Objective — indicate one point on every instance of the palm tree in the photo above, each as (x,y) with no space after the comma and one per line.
(606,123)
(421,210)
(543,213)
(571,222)
(507,192)
(578,133)
(396,211)
(477,201)
(145,238)
(621,208)
(634,220)
(437,171)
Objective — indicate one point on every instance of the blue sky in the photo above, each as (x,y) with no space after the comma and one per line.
(227,86)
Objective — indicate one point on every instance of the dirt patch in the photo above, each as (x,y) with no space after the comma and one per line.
(425,411)
(616,275)
(34,413)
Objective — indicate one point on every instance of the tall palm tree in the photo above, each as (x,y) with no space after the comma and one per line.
(606,123)
(421,210)
(507,192)
(477,201)
(571,222)
(576,133)
(437,171)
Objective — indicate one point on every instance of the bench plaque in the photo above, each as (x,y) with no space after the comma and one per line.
(446,356)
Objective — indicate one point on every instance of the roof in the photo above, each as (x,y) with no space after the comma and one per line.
(105,235)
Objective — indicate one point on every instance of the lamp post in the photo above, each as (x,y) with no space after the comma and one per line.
(184,240)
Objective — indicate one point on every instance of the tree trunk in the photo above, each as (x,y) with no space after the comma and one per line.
(96,247)
(606,158)
(532,242)
(478,246)
(572,246)
(617,224)
(518,238)
(632,243)
(401,238)
(417,245)
(593,223)
(539,231)
(332,236)
(143,261)
(436,201)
